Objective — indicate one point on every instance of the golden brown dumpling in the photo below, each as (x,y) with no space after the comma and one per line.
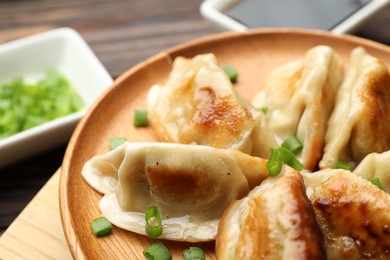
(360,122)
(199,105)
(275,221)
(191,184)
(300,97)
(354,217)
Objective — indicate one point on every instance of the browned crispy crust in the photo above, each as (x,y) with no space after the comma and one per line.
(222,115)
(276,223)
(201,106)
(354,216)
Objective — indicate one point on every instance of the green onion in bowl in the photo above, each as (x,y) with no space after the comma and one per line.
(25,105)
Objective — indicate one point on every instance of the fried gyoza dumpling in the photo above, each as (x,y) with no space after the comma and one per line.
(376,165)
(360,122)
(198,105)
(191,185)
(353,215)
(275,221)
(300,97)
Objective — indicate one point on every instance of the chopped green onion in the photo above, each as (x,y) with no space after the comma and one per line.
(193,253)
(114,142)
(231,72)
(101,227)
(24,105)
(274,163)
(296,164)
(280,156)
(342,165)
(286,154)
(140,117)
(288,157)
(157,251)
(377,183)
(153,225)
(264,110)
(293,144)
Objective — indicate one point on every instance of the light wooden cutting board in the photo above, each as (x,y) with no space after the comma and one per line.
(37,232)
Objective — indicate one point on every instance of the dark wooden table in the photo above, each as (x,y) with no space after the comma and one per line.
(121,33)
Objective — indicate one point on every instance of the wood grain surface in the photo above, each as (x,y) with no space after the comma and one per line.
(254,54)
(37,231)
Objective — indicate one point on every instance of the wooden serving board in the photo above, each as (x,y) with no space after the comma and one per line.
(37,232)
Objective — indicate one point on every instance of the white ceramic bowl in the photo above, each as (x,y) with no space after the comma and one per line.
(64,50)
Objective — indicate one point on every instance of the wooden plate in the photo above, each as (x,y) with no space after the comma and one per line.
(254,53)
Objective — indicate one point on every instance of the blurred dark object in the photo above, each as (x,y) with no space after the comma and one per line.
(378,27)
